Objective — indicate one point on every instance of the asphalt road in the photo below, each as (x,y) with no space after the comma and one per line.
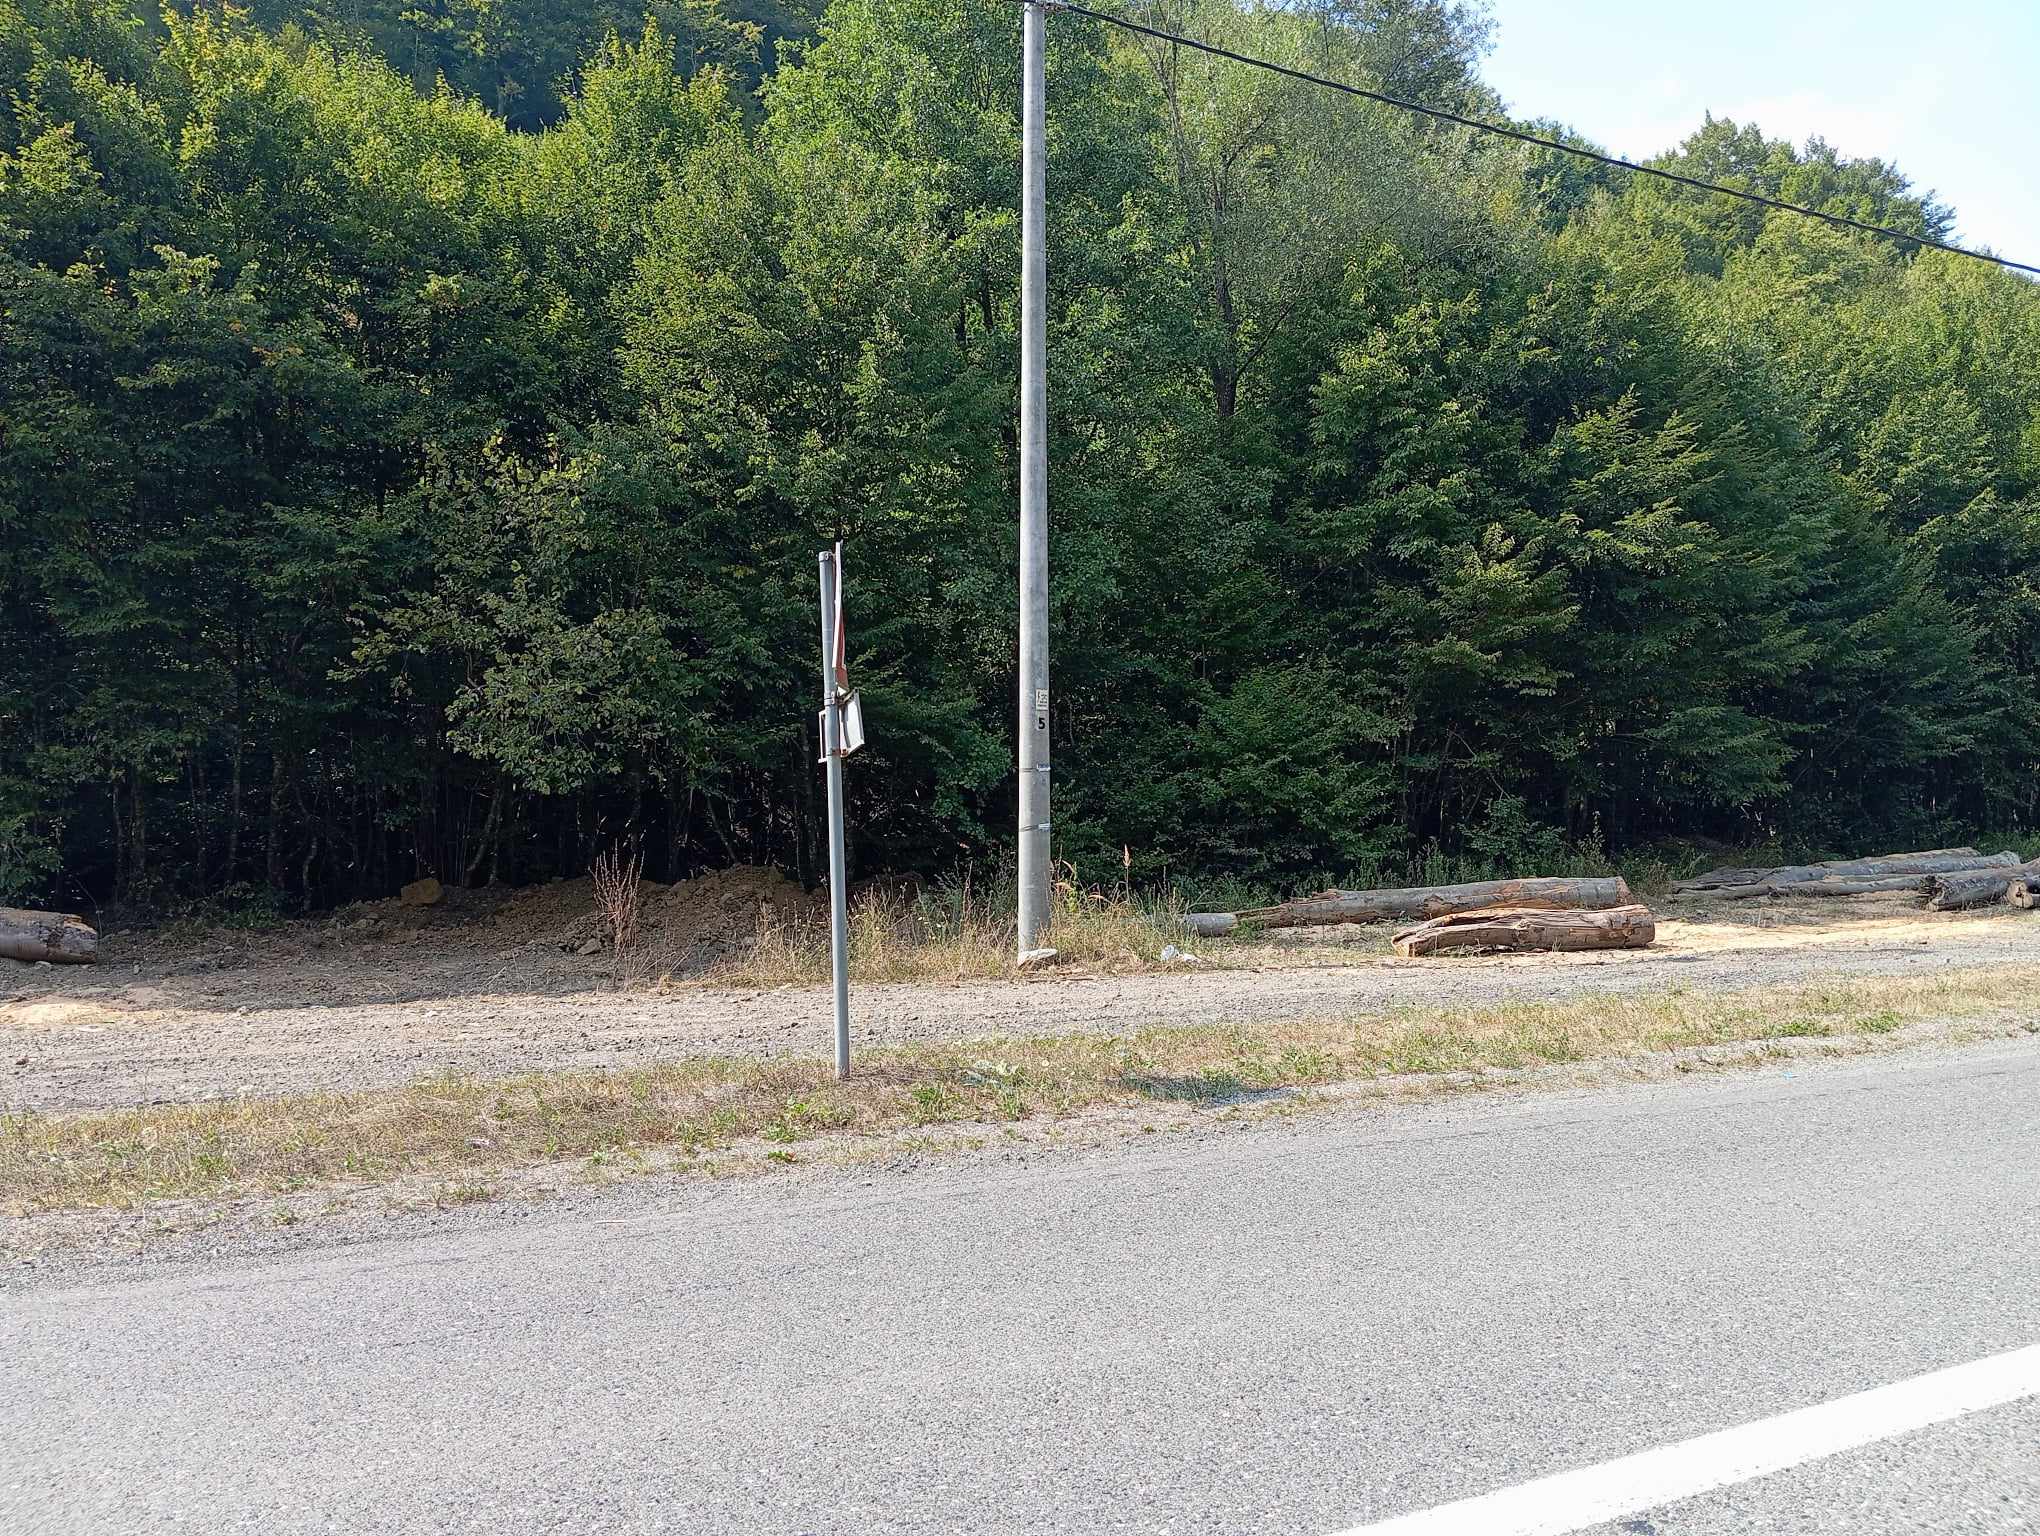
(1302,1330)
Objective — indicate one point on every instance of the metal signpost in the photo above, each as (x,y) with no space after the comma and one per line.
(842,733)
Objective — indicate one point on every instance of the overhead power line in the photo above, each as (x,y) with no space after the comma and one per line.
(1503,130)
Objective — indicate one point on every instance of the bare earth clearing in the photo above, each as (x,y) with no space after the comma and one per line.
(490,986)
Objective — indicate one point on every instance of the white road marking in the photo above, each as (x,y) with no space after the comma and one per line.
(1571,1501)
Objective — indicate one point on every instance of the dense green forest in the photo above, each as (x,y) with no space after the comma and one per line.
(418,421)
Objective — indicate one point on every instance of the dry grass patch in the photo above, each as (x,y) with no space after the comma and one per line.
(467,1131)
(947,936)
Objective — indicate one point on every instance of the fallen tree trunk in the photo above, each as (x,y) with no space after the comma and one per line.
(58,937)
(1821,887)
(1938,861)
(2023,893)
(1954,893)
(1381,906)
(1900,862)
(1957,893)
(1627,927)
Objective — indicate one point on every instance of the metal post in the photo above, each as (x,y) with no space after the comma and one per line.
(832,753)
(1033,751)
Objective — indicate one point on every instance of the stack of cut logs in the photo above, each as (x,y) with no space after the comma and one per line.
(1951,878)
(1592,913)
(1598,913)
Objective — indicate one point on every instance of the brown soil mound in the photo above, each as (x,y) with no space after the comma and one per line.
(559,915)
(731,903)
(538,937)
(715,916)
(694,923)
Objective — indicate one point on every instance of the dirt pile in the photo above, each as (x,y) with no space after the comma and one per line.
(713,917)
(558,915)
(686,927)
(549,939)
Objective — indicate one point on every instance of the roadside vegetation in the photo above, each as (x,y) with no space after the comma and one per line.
(962,927)
(714,1116)
(897,938)
(413,479)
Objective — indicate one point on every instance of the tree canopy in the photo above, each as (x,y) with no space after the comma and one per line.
(417,423)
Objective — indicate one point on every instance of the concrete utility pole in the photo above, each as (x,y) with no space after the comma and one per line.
(1033,753)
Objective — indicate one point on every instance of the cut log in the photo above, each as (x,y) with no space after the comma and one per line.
(1986,888)
(1628,927)
(1211,925)
(1437,901)
(1819,887)
(1938,861)
(1956,893)
(62,938)
(2024,893)
(1757,876)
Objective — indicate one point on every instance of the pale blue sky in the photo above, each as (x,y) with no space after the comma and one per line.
(1949,90)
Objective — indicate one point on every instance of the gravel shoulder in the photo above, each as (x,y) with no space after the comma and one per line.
(223,1015)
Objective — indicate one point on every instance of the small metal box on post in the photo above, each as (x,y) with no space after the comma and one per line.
(842,732)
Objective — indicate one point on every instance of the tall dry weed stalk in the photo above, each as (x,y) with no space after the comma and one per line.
(616,894)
